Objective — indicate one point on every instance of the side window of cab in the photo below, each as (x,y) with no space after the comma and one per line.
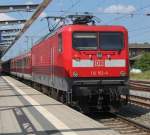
(60,44)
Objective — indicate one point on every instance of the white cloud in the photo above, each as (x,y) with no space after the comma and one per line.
(4,17)
(127,9)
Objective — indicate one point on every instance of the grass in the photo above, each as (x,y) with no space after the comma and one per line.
(141,76)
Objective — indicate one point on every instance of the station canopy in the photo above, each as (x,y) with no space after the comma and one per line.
(15,28)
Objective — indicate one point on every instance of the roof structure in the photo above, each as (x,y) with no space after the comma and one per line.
(12,22)
(136,57)
(142,46)
(15,8)
(9,30)
(8,37)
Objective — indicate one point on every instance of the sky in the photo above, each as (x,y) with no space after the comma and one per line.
(128,13)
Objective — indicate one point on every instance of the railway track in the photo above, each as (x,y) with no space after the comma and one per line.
(142,101)
(143,86)
(140,85)
(123,125)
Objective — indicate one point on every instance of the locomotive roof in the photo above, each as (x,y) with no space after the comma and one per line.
(83,27)
(93,27)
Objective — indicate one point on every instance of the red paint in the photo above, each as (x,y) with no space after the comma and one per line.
(41,55)
(22,64)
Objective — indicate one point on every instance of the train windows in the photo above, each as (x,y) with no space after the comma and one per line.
(111,40)
(60,43)
(85,40)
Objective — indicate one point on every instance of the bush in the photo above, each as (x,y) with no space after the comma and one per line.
(143,63)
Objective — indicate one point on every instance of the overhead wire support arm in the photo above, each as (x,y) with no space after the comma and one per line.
(48,23)
(50,26)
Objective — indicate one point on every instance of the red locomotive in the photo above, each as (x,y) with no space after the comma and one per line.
(79,64)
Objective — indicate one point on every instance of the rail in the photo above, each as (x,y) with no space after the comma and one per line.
(140,85)
(138,100)
(123,125)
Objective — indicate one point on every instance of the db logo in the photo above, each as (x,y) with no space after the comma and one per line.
(99,63)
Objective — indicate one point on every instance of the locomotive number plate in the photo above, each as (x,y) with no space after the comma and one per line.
(99,63)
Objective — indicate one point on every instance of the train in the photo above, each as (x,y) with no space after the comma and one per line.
(85,66)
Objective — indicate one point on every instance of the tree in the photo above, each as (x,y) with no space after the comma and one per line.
(143,63)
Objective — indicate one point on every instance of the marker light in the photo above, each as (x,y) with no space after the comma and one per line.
(75,74)
(122,73)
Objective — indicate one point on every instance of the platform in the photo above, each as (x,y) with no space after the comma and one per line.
(24,110)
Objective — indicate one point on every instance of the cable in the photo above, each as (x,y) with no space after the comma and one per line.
(141,28)
(73,5)
(122,17)
(140,34)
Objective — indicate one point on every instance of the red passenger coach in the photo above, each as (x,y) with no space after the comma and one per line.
(21,66)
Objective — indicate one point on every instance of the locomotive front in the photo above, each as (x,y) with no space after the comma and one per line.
(99,67)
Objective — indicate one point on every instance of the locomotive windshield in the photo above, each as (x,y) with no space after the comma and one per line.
(91,40)
(85,40)
(111,40)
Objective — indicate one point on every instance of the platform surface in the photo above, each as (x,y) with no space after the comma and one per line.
(24,110)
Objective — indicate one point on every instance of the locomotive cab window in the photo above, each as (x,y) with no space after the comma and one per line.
(85,40)
(60,43)
(111,41)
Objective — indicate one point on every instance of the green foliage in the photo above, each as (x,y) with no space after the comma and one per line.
(143,63)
